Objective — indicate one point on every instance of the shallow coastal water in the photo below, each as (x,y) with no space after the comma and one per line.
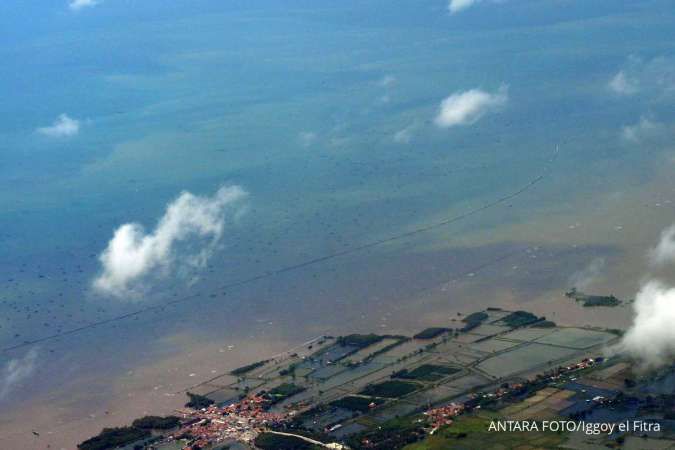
(301,106)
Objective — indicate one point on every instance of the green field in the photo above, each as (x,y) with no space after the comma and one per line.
(519,319)
(426,372)
(471,432)
(269,441)
(353,403)
(284,391)
(390,389)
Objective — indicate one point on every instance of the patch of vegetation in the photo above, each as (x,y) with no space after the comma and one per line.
(519,319)
(399,340)
(426,372)
(290,370)
(286,390)
(544,324)
(248,368)
(599,300)
(390,389)
(310,414)
(473,320)
(393,434)
(430,333)
(156,423)
(353,403)
(359,340)
(283,391)
(114,437)
(198,401)
(479,316)
(592,300)
(472,431)
(271,441)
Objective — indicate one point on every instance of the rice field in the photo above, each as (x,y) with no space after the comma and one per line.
(523,359)
(577,338)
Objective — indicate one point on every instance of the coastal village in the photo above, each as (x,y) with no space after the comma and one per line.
(367,391)
(240,421)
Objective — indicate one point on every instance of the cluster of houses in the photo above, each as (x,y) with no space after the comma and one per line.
(241,421)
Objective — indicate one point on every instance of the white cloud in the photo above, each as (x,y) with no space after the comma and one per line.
(63,126)
(134,257)
(664,252)
(16,371)
(621,84)
(77,5)
(583,279)
(456,6)
(387,81)
(653,79)
(307,138)
(645,128)
(465,108)
(651,338)
(405,135)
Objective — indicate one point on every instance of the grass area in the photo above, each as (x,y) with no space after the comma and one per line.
(390,389)
(471,432)
(430,333)
(353,403)
(426,372)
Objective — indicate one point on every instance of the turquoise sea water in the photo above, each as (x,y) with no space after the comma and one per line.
(298,102)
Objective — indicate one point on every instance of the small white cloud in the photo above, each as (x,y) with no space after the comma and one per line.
(77,5)
(584,278)
(644,129)
(63,126)
(653,79)
(465,108)
(307,138)
(16,371)
(387,81)
(664,252)
(384,99)
(456,6)
(405,135)
(339,141)
(133,257)
(622,85)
